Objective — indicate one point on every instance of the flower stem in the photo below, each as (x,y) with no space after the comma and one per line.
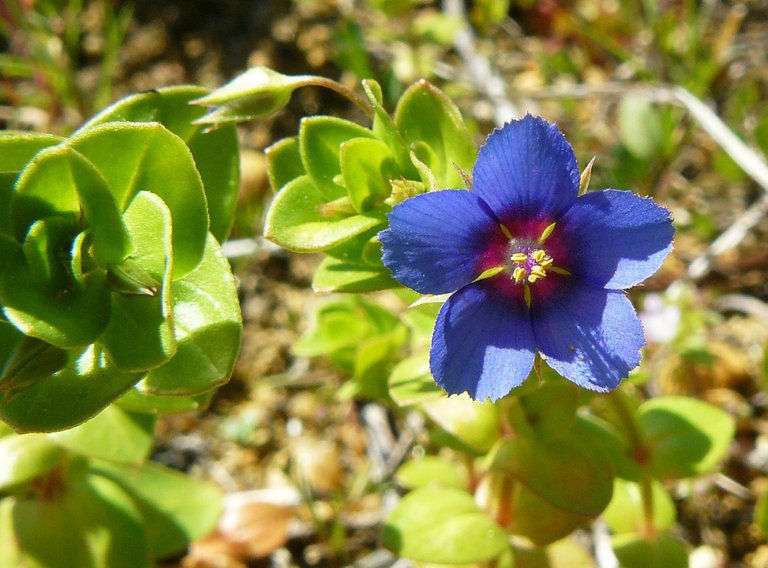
(640,453)
(343,90)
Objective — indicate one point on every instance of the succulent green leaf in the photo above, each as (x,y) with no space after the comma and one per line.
(176,509)
(566,472)
(215,152)
(411,381)
(320,140)
(299,220)
(687,437)
(32,360)
(94,523)
(140,332)
(431,470)
(538,519)
(62,182)
(425,115)
(41,298)
(661,551)
(476,424)
(442,525)
(18,148)
(334,275)
(603,434)
(207,326)
(284,162)
(551,409)
(136,400)
(626,514)
(22,458)
(113,434)
(151,158)
(88,383)
(367,168)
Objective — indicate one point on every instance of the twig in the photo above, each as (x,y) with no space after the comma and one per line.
(483,76)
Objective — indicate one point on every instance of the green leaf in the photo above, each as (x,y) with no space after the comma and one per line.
(207,326)
(334,275)
(216,152)
(139,401)
(476,424)
(411,381)
(257,92)
(136,157)
(564,471)
(431,470)
(113,434)
(88,383)
(18,148)
(140,332)
(284,162)
(626,514)
(442,525)
(367,168)
(373,361)
(297,219)
(93,524)
(40,297)
(761,514)
(663,551)
(320,140)
(426,115)
(33,360)
(687,437)
(177,509)
(594,430)
(551,409)
(22,458)
(62,182)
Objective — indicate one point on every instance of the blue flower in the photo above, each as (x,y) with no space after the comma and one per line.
(533,266)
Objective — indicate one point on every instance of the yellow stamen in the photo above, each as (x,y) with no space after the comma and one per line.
(519,258)
(519,274)
(538,271)
(533,278)
(538,255)
(546,263)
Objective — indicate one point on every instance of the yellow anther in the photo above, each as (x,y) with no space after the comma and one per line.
(538,271)
(533,278)
(538,255)
(519,257)
(546,263)
(519,274)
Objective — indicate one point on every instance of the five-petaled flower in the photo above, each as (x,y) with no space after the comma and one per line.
(534,266)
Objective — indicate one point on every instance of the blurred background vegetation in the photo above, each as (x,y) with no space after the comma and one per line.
(602,69)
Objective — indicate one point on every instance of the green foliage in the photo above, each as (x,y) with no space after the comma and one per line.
(109,271)
(88,495)
(443,525)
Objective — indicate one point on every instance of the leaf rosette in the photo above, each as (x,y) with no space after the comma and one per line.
(111,268)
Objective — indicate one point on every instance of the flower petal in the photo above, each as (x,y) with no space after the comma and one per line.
(482,344)
(615,239)
(526,171)
(589,335)
(439,241)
